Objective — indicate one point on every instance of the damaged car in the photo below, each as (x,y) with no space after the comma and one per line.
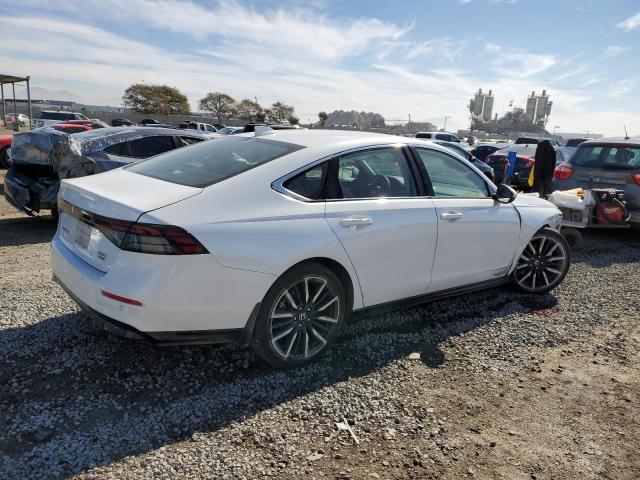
(43,157)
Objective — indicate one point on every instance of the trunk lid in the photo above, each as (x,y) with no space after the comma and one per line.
(117,194)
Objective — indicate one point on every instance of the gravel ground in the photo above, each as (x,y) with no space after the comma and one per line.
(488,385)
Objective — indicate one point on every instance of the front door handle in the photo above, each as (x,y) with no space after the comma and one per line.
(355,222)
(452,216)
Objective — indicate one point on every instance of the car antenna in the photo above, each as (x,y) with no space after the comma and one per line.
(626,135)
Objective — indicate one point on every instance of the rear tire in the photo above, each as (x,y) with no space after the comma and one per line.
(300,317)
(543,264)
(4,158)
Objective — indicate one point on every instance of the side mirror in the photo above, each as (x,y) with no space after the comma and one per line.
(505,194)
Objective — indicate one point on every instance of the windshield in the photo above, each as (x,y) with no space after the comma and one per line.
(607,156)
(209,162)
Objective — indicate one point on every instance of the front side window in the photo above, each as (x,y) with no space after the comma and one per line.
(210,128)
(375,173)
(206,163)
(190,140)
(450,177)
(444,137)
(149,146)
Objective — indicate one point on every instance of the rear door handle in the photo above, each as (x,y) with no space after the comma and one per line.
(451,216)
(355,222)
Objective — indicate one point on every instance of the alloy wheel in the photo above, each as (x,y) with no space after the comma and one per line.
(304,317)
(542,264)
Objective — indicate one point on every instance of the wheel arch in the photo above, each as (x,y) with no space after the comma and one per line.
(341,272)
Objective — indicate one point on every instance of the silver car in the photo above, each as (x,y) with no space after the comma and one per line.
(605,163)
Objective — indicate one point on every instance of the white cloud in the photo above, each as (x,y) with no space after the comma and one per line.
(630,23)
(523,64)
(613,50)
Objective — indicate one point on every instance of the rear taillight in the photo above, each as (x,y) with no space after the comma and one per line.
(636,178)
(138,237)
(147,238)
(530,161)
(563,171)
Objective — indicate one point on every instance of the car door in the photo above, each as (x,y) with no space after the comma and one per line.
(384,221)
(477,236)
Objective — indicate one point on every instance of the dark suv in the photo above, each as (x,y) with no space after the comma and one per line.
(605,163)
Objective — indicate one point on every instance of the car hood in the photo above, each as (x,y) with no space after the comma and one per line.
(122,194)
(524,200)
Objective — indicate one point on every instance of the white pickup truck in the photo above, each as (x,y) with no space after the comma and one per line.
(201,128)
(51,117)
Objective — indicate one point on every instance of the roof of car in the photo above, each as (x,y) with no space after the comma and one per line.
(631,141)
(319,138)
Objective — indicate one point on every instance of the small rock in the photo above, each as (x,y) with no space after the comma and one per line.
(414,356)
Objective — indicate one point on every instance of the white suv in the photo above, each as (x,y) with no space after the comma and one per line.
(48,117)
(444,136)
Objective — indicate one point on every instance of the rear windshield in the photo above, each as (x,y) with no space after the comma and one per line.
(209,162)
(574,142)
(607,156)
(526,140)
(57,116)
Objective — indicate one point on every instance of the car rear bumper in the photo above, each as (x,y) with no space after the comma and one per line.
(239,336)
(184,300)
(22,196)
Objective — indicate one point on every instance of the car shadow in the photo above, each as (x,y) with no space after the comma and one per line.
(26,230)
(605,247)
(75,398)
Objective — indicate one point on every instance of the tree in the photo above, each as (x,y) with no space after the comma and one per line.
(155,99)
(248,110)
(323,117)
(279,112)
(293,120)
(220,104)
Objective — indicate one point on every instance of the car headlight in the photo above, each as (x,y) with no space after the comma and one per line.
(555,221)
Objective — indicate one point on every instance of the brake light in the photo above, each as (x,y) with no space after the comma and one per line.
(529,160)
(636,178)
(138,237)
(148,238)
(563,171)
(118,298)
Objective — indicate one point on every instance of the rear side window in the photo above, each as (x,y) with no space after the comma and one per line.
(309,184)
(210,162)
(450,177)
(423,135)
(149,146)
(116,148)
(191,140)
(614,157)
(375,173)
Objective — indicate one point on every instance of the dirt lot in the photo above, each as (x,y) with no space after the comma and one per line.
(488,385)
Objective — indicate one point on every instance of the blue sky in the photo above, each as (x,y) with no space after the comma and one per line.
(423,58)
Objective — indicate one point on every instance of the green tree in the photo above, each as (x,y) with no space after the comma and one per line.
(220,104)
(279,112)
(155,99)
(323,117)
(293,120)
(248,110)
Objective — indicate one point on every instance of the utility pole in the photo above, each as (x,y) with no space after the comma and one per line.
(445,123)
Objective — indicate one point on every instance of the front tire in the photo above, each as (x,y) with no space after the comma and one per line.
(300,317)
(543,264)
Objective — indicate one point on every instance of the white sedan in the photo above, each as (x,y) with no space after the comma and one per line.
(273,240)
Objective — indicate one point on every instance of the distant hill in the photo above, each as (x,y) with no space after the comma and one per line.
(341,118)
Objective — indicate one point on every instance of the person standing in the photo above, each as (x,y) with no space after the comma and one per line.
(545,164)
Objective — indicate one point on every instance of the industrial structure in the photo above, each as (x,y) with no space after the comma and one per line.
(481,107)
(538,108)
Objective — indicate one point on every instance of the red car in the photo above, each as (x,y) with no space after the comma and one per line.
(68,127)
(5,144)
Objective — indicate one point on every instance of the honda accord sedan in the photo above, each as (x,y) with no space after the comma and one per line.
(272,240)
